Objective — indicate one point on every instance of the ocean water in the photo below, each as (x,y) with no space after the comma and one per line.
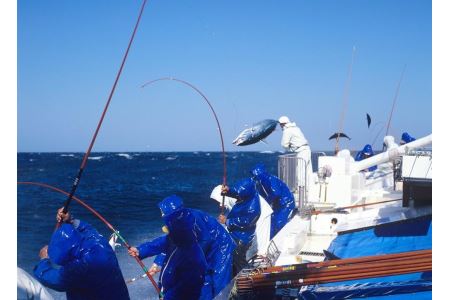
(125,189)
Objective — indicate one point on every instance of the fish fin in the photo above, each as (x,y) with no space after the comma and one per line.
(329,255)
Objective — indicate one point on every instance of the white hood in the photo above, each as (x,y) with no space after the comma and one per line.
(262,226)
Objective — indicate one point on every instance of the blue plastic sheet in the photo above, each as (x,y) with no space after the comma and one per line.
(396,237)
(368,289)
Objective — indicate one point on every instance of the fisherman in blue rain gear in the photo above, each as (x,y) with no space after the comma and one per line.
(277,194)
(183,273)
(366,152)
(88,267)
(241,221)
(214,240)
(406,138)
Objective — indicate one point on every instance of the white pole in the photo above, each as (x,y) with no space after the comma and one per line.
(390,154)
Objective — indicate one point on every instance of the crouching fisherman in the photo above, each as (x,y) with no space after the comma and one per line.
(88,267)
(242,219)
(277,194)
(184,268)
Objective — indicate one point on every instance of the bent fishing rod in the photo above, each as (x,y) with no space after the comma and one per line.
(224,182)
(98,215)
(86,155)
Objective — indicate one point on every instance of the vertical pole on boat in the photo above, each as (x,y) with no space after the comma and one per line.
(394,101)
(345,101)
(224,178)
(86,155)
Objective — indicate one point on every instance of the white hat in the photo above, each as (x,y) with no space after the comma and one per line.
(283,120)
(229,201)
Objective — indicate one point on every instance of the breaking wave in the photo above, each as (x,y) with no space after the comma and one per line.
(127,156)
(95,157)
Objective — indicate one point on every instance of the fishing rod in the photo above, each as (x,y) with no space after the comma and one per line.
(393,105)
(378,133)
(224,182)
(395,100)
(135,278)
(345,100)
(335,270)
(86,155)
(346,261)
(116,232)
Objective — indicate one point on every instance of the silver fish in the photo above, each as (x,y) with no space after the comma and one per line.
(256,133)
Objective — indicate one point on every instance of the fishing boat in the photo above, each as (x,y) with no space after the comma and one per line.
(357,233)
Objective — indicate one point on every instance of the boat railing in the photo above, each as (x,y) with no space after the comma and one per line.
(292,171)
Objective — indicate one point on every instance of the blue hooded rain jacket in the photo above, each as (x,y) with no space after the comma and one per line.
(366,152)
(214,240)
(241,221)
(277,194)
(89,267)
(406,138)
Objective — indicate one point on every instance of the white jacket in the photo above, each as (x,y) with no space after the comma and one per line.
(293,138)
(262,231)
(390,142)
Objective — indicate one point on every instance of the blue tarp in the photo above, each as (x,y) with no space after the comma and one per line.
(396,237)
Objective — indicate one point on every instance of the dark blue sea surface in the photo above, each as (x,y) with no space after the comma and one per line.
(125,189)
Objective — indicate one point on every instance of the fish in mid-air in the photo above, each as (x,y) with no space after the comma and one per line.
(256,133)
(369,120)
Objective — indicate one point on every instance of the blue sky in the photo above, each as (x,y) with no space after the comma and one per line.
(252,59)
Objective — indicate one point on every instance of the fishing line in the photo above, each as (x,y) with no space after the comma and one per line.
(345,100)
(224,182)
(86,155)
(116,232)
(395,100)
(378,133)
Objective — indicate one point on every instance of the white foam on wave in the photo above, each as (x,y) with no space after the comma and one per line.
(267,152)
(69,155)
(171,157)
(127,156)
(95,157)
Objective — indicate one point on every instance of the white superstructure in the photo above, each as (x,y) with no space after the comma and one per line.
(341,196)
